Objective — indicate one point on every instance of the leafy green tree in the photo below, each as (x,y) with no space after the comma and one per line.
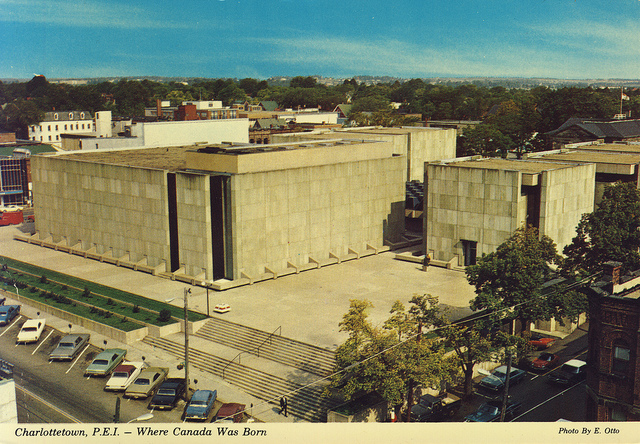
(471,347)
(611,232)
(392,359)
(303,82)
(509,282)
(18,115)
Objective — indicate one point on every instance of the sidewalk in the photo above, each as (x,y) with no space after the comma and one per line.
(307,307)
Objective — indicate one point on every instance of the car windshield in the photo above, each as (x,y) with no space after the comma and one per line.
(198,403)
(142,381)
(100,362)
(546,357)
(66,344)
(486,408)
(166,391)
(499,374)
(29,329)
(569,369)
(120,375)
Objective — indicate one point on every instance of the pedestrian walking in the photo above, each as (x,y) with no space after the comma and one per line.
(286,404)
(282,405)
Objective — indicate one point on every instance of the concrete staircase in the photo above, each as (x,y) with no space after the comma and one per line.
(305,357)
(304,401)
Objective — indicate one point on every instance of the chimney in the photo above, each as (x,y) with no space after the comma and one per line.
(612,270)
(159,107)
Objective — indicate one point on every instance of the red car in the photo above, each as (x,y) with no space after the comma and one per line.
(541,343)
(545,361)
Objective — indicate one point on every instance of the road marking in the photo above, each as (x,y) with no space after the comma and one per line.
(12,324)
(48,404)
(544,402)
(42,342)
(77,359)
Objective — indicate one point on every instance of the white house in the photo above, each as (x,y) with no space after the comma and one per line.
(56,123)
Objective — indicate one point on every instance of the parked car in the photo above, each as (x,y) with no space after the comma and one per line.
(146,382)
(8,312)
(168,394)
(545,361)
(490,411)
(496,380)
(105,362)
(31,331)
(68,347)
(230,412)
(200,405)
(541,342)
(571,372)
(123,375)
(435,408)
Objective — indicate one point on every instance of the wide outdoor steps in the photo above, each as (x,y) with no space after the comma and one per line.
(304,401)
(305,357)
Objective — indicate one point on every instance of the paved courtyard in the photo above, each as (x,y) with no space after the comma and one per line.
(307,306)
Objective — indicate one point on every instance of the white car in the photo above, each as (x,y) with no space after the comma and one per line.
(123,375)
(31,331)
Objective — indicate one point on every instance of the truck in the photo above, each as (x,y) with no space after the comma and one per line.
(432,408)
(11,218)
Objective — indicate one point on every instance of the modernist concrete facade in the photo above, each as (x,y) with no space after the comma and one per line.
(614,162)
(417,144)
(224,212)
(474,204)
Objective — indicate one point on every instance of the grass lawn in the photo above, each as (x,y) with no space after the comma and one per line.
(120,303)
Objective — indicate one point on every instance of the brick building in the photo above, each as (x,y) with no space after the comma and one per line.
(613,370)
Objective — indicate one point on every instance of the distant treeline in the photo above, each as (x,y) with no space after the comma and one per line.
(511,116)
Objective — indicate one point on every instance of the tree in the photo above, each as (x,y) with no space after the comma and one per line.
(508,282)
(611,232)
(471,347)
(303,82)
(392,359)
(18,115)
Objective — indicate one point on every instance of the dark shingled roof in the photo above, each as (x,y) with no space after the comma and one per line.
(615,129)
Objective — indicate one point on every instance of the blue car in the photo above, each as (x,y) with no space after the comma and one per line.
(490,411)
(200,405)
(8,312)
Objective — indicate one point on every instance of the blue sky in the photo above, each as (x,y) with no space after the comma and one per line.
(575,39)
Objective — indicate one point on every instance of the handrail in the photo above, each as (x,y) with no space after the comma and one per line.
(256,349)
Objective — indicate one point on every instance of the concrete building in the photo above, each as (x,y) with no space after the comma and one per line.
(614,162)
(230,213)
(416,144)
(474,204)
(613,360)
(61,122)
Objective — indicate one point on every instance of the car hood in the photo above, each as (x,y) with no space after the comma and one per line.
(419,410)
(492,381)
(480,417)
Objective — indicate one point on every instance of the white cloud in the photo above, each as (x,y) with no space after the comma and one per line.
(86,14)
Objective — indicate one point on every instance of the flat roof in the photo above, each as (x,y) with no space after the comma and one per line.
(164,158)
(589,156)
(530,166)
(609,147)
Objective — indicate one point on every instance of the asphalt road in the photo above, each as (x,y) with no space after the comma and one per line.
(58,392)
(541,400)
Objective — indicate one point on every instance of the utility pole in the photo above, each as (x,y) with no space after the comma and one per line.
(505,395)
(186,338)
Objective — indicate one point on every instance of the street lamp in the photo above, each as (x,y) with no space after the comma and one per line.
(144,417)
